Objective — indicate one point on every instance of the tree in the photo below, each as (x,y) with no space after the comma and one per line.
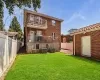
(1,16)
(71,30)
(10,4)
(15,27)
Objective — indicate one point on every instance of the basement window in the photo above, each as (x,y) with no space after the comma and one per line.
(53,22)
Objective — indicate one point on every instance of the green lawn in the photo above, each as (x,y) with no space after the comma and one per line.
(57,66)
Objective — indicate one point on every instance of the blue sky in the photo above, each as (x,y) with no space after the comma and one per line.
(75,13)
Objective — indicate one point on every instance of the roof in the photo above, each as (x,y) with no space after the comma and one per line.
(9,33)
(43,15)
(89,28)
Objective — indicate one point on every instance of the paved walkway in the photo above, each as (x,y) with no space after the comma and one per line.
(67,48)
(66,51)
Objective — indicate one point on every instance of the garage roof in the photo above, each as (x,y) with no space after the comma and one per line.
(87,29)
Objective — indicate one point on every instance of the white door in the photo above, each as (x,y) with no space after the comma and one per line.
(86,46)
(32,36)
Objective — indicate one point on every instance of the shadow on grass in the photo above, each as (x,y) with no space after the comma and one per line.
(35,53)
(86,59)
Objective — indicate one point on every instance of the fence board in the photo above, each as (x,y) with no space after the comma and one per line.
(8,51)
(67,47)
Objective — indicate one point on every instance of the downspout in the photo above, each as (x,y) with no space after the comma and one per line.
(74,45)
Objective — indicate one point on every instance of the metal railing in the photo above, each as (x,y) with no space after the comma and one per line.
(44,39)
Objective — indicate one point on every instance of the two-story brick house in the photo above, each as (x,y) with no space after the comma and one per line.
(41,31)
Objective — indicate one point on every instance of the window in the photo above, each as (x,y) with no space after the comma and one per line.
(53,22)
(39,38)
(31,18)
(37,46)
(39,33)
(53,36)
(47,46)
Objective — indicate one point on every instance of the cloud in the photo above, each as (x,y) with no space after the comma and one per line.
(76,16)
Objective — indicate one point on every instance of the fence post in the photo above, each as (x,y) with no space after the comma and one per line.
(7,55)
(7,50)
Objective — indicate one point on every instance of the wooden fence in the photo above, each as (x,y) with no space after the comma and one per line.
(67,47)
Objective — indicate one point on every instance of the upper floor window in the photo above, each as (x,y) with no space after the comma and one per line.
(53,22)
(31,18)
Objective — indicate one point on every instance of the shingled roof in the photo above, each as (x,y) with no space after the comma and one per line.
(87,29)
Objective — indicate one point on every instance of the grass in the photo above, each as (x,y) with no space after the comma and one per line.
(55,66)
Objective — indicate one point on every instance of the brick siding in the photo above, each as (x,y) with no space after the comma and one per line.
(45,32)
(95,43)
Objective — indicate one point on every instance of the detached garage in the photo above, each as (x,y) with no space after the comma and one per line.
(86,41)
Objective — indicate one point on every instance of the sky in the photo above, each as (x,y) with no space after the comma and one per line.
(75,13)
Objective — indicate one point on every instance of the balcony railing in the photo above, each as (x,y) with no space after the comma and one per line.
(36,22)
(37,26)
(44,39)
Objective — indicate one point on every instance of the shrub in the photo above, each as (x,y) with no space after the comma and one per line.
(43,50)
(51,50)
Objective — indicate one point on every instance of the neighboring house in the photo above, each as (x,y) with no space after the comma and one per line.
(87,41)
(41,31)
(66,38)
(12,35)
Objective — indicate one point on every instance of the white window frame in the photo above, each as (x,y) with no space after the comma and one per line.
(53,23)
(53,35)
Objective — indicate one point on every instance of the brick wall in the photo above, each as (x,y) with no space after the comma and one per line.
(66,38)
(42,45)
(48,32)
(45,32)
(95,44)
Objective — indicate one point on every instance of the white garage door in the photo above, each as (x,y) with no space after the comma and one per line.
(86,46)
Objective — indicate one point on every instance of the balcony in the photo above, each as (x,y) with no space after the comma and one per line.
(36,22)
(43,39)
(36,26)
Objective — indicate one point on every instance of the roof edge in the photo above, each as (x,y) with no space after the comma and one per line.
(89,28)
(44,15)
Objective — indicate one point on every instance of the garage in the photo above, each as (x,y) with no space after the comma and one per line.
(86,41)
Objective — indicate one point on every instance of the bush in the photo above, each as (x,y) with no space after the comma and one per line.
(43,50)
(51,50)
